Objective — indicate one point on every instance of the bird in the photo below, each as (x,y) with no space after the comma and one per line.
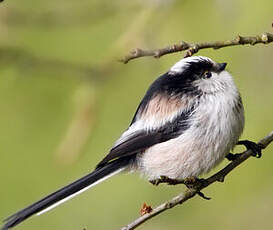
(188,121)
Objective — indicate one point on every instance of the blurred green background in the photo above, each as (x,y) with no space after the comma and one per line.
(65,99)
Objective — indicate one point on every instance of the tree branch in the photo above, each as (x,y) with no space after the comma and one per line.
(192,48)
(191,192)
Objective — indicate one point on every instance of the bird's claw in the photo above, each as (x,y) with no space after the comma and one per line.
(190,182)
(155,182)
(195,183)
(164,179)
(232,157)
(250,145)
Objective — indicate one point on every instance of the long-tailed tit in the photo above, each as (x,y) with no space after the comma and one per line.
(188,121)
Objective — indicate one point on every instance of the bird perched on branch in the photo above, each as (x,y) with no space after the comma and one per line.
(188,121)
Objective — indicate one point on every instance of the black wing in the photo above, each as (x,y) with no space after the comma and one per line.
(141,140)
(137,142)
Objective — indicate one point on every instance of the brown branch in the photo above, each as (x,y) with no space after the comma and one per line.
(191,192)
(192,48)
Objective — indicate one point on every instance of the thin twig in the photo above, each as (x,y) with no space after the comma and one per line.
(191,192)
(192,48)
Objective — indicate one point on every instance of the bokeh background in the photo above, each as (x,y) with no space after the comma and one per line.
(65,99)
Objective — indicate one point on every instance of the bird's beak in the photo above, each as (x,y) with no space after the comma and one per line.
(221,66)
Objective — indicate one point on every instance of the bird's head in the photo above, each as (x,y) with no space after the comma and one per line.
(201,73)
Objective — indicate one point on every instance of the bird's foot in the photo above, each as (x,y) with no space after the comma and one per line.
(232,156)
(167,180)
(197,184)
(250,145)
(190,182)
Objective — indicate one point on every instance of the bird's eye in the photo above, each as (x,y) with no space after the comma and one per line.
(207,74)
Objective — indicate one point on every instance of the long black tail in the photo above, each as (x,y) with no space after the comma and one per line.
(67,192)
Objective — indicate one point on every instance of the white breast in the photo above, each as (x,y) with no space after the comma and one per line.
(217,125)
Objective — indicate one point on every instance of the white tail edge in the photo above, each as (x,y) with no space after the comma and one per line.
(79,192)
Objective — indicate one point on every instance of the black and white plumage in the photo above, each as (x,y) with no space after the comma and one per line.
(188,121)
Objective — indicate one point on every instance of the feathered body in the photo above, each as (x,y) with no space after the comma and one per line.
(213,128)
(205,116)
(187,122)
